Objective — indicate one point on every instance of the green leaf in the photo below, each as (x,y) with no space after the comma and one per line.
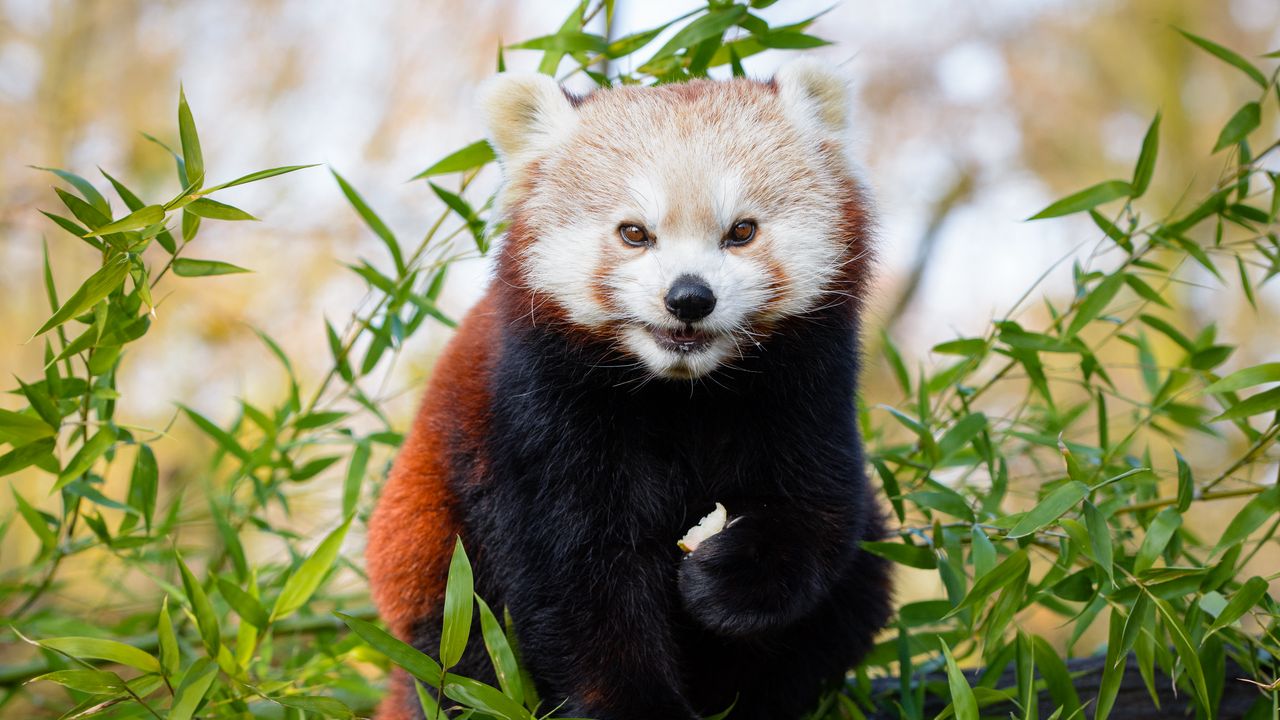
(505,667)
(214,210)
(144,484)
(1140,618)
(1146,166)
(1186,650)
(1245,121)
(192,267)
(195,683)
(968,347)
(485,699)
(103,649)
(314,704)
(190,225)
(170,656)
(245,605)
(371,219)
(458,607)
(1241,602)
(1052,507)
(1056,676)
(784,40)
(38,452)
(1145,291)
(1248,377)
(84,458)
(355,477)
(192,158)
(19,429)
(1260,509)
(304,581)
(633,42)
(916,556)
(35,520)
(1086,199)
(143,217)
(711,25)
(313,420)
(460,206)
(44,405)
(1186,485)
(259,175)
(962,698)
(406,656)
(565,41)
(1095,303)
(1253,405)
(1011,570)
(1227,56)
(475,155)
(206,619)
(93,682)
(100,284)
(220,436)
(1112,671)
(1157,538)
(85,187)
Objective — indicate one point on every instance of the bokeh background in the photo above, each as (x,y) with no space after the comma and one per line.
(971,116)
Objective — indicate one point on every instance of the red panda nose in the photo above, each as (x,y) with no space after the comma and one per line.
(690,299)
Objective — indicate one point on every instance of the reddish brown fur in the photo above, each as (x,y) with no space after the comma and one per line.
(412,529)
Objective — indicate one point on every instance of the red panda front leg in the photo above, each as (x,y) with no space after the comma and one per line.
(596,635)
(767,568)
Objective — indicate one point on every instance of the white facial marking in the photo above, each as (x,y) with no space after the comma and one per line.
(687,166)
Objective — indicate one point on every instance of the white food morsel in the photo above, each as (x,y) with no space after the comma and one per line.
(713,523)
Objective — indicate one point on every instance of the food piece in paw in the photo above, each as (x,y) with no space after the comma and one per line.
(713,523)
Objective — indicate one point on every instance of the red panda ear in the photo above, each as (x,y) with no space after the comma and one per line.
(814,95)
(526,114)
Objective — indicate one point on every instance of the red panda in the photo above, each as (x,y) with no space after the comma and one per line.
(673,324)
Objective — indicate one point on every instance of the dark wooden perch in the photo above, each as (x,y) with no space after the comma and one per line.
(1133,702)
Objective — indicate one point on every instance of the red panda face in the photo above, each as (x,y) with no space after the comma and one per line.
(680,222)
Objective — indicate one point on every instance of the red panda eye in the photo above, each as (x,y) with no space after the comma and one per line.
(634,235)
(742,232)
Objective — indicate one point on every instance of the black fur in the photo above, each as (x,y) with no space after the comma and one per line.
(591,473)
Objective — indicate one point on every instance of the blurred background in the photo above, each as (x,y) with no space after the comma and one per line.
(971,117)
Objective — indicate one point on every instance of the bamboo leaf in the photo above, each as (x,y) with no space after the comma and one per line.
(1245,121)
(100,284)
(1052,507)
(192,157)
(458,606)
(140,218)
(1260,509)
(192,267)
(371,219)
(406,656)
(103,649)
(214,210)
(1086,199)
(259,175)
(1146,166)
(1248,377)
(202,609)
(1227,56)
(195,684)
(962,699)
(304,581)
(1241,602)
(475,155)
